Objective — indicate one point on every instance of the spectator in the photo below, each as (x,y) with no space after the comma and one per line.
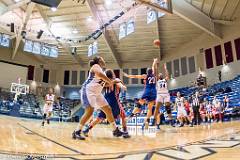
(228,89)
(220,76)
(201,81)
(225,102)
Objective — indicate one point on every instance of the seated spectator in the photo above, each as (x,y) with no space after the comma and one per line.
(201,81)
(228,89)
(220,90)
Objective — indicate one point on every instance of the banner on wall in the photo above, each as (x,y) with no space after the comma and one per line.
(40,48)
(122,30)
(4,40)
(92,49)
(130,26)
(151,16)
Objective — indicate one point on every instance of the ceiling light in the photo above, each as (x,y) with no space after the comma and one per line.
(108,2)
(54,9)
(89,19)
(16,0)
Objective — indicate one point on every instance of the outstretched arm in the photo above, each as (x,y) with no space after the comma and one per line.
(155,66)
(99,73)
(166,72)
(135,76)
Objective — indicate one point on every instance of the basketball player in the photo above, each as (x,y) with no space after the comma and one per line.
(202,111)
(187,107)
(209,111)
(112,97)
(92,97)
(219,111)
(163,96)
(149,94)
(190,117)
(181,112)
(48,106)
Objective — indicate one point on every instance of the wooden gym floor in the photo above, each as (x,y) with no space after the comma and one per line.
(24,137)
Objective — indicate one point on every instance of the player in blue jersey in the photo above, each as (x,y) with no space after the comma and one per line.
(149,94)
(111,94)
(92,97)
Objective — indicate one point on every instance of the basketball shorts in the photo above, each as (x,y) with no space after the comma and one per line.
(163,98)
(47,108)
(114,104)
(89,98)
(181,112)
(149,95)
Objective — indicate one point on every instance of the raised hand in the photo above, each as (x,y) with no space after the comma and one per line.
(165,66)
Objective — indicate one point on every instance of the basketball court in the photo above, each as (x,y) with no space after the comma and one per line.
(48,44)
(26,137)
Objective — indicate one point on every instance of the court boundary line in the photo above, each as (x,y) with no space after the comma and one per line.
(53,141)
(117,155)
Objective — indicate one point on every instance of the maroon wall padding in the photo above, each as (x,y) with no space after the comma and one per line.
(237,46)
(218,55)
(45,76)
(228,52)
(209,58)
(117,73)
(30,73)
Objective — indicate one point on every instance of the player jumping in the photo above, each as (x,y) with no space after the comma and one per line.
(149,94)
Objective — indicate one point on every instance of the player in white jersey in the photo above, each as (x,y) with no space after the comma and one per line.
(181,112)
(48,106)
(209,114)
(92,97)
(163,96)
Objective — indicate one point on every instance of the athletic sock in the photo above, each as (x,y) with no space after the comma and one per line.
(114,126)
(124,129)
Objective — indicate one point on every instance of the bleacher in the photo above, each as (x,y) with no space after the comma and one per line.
(6,102)
(31,106)
(229,88)
(63,110)
(219,90)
